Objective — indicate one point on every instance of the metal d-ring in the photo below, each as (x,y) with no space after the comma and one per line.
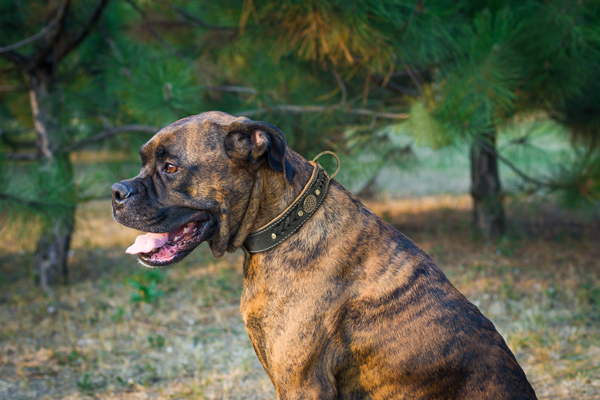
(339,164)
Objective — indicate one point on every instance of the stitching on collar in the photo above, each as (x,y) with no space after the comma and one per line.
(262,240)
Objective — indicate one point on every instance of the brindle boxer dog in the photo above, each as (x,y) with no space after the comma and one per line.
(346,307)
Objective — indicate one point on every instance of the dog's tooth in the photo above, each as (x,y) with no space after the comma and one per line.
(186,229)
(176,238)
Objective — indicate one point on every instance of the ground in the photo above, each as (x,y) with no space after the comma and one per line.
(119,331)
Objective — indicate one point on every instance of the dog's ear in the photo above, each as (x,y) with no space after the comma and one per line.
(252,140)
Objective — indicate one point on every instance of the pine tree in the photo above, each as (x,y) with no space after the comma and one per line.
(47,90)
(473,67)
(344,75)
(39,66)
(521,59)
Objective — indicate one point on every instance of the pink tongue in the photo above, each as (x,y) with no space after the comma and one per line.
(148,242)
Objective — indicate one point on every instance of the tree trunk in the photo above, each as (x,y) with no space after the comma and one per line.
(369,190)
(53,246)
(53,249)
(488,212)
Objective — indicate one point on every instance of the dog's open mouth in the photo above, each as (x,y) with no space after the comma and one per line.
(161,249)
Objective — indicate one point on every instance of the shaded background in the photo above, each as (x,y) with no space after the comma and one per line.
(471,126)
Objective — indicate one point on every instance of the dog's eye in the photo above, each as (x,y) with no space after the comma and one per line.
(171,169)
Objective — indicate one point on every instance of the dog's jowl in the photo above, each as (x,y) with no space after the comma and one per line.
(337,303)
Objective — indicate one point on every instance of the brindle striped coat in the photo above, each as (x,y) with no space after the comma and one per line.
(347,307)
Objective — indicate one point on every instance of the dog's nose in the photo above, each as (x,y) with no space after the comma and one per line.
(121,191)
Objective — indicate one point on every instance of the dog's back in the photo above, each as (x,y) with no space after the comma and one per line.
(413,335)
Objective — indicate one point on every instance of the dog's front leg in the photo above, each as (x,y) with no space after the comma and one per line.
(299,369)
(300,372)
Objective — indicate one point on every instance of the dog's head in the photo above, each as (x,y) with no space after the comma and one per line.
(195,184)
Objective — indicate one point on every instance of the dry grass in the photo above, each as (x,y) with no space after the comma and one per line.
(540,285)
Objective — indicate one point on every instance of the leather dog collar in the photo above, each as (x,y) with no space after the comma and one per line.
(295,215)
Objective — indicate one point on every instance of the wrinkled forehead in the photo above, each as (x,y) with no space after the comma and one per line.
(191,138)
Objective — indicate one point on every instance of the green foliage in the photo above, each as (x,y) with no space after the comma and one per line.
(580,113)
(89,383)
(156,341)
(479,90)
(159,90)
(559,44)
(426,128)
(74,356)
(368,151)
(84,383)
(146,288)
(459,68)
(328,31)
(576,181)
(117,316)
(534,143)
(31,194)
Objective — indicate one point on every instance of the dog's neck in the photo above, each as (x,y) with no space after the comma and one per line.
(271,195)
(277,193)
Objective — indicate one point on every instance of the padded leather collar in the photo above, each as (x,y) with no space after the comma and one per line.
(294,216)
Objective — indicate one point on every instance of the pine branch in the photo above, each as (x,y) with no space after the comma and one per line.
(490,149)
(45,30)
(12,88)
(105,134)
(111,43)
(342,86)
(418,9)
(295,109)
(148,24)
(5,137)
(235,89)
(22,156)
(85,31)
(394,86)
(197,21)
(52,38)
(110,133)
(15,57)
(34,204)
(412,75)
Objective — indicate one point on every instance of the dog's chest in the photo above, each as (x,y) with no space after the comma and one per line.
(287,324)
